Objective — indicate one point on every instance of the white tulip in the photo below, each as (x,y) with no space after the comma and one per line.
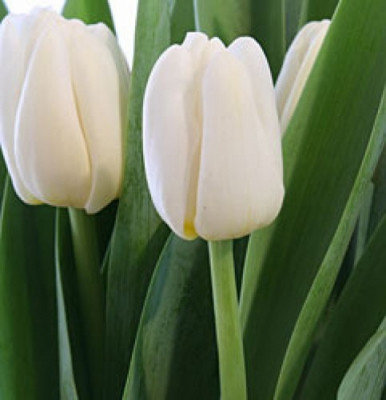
(296,68)
(63,101)
(212,144)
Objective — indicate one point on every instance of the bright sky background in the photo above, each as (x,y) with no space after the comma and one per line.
(124,12)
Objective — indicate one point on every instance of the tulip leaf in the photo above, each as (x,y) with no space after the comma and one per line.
(89,11)
(293,10)
(359,311)
(226,19)
(317,298)
(28,336)
(3,10)
(316,10)
(268,28)
(365,378)
(182,20)
(139,234)
(175,351)
(323,149)
(3,168)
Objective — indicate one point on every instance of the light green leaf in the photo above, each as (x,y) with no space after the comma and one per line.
(366,376)
(175,351)
(226,19)
(317,298)
(3,10)
(28,336)
(323,149)
(358,313)
(89,11)
(139,234)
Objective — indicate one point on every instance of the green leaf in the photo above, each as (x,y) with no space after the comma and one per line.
(139,234)
(358,313)
(175,351)
(89,11)
(226,19)
(28,336)
(365,378)
(292,18)
(3,10)
(268,27)
(3,168)
(317,298)
(327,135)
(316,10)
(182,20)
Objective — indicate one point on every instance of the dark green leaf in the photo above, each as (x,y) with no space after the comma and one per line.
(3,10)
(139,234)
(3,168)
(316,10)
(366,376)
(358,313)
(182,20)
(175,352)
(89,11)
(323,149)
(226,19)
(28,335)
(292,18)
(317,298)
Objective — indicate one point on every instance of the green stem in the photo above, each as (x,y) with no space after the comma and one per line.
(90,291)
(228,332)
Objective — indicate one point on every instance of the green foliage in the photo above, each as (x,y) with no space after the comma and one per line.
(327,135)
(28,338)
(89,11)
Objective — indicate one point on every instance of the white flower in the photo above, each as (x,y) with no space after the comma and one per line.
(212,145)
(63,100)
(297,66)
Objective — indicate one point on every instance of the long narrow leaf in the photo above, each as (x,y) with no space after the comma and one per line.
(317,298)
(323,149)
(139,234)
(316,10)
(28,336)
(365,378)
(359,311)
(175,351)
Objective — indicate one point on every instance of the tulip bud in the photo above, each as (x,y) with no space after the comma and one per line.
(63,108)
(297,66)
(211,139)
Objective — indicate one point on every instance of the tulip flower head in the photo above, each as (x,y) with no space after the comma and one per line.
(212,145)
(63,108)
(297,66)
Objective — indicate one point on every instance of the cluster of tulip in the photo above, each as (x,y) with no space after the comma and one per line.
(211,122)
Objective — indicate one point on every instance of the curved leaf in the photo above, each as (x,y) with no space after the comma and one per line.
(175,351)
(358,313)
(323,149)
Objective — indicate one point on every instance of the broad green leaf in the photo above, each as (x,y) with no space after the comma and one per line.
(226,19)
(358,313)
(74,374)
(268,27)
(316,10)
(175,351)
(139,235)
(182,20)
(323,150)
(28,335)
(89,11)
(317,298)
(366,376)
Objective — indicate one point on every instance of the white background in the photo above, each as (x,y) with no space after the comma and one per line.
(124,13)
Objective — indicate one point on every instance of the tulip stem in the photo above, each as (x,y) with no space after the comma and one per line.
(90,291)
(228,332)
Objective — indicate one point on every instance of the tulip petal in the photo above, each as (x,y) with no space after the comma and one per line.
(171,141)
(297,66)
(17,33)
(251,55)
(50,149)
(239,187)
(98,87)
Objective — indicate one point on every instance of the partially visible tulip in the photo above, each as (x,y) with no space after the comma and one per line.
(63,101)
(297,66)
(212,145)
